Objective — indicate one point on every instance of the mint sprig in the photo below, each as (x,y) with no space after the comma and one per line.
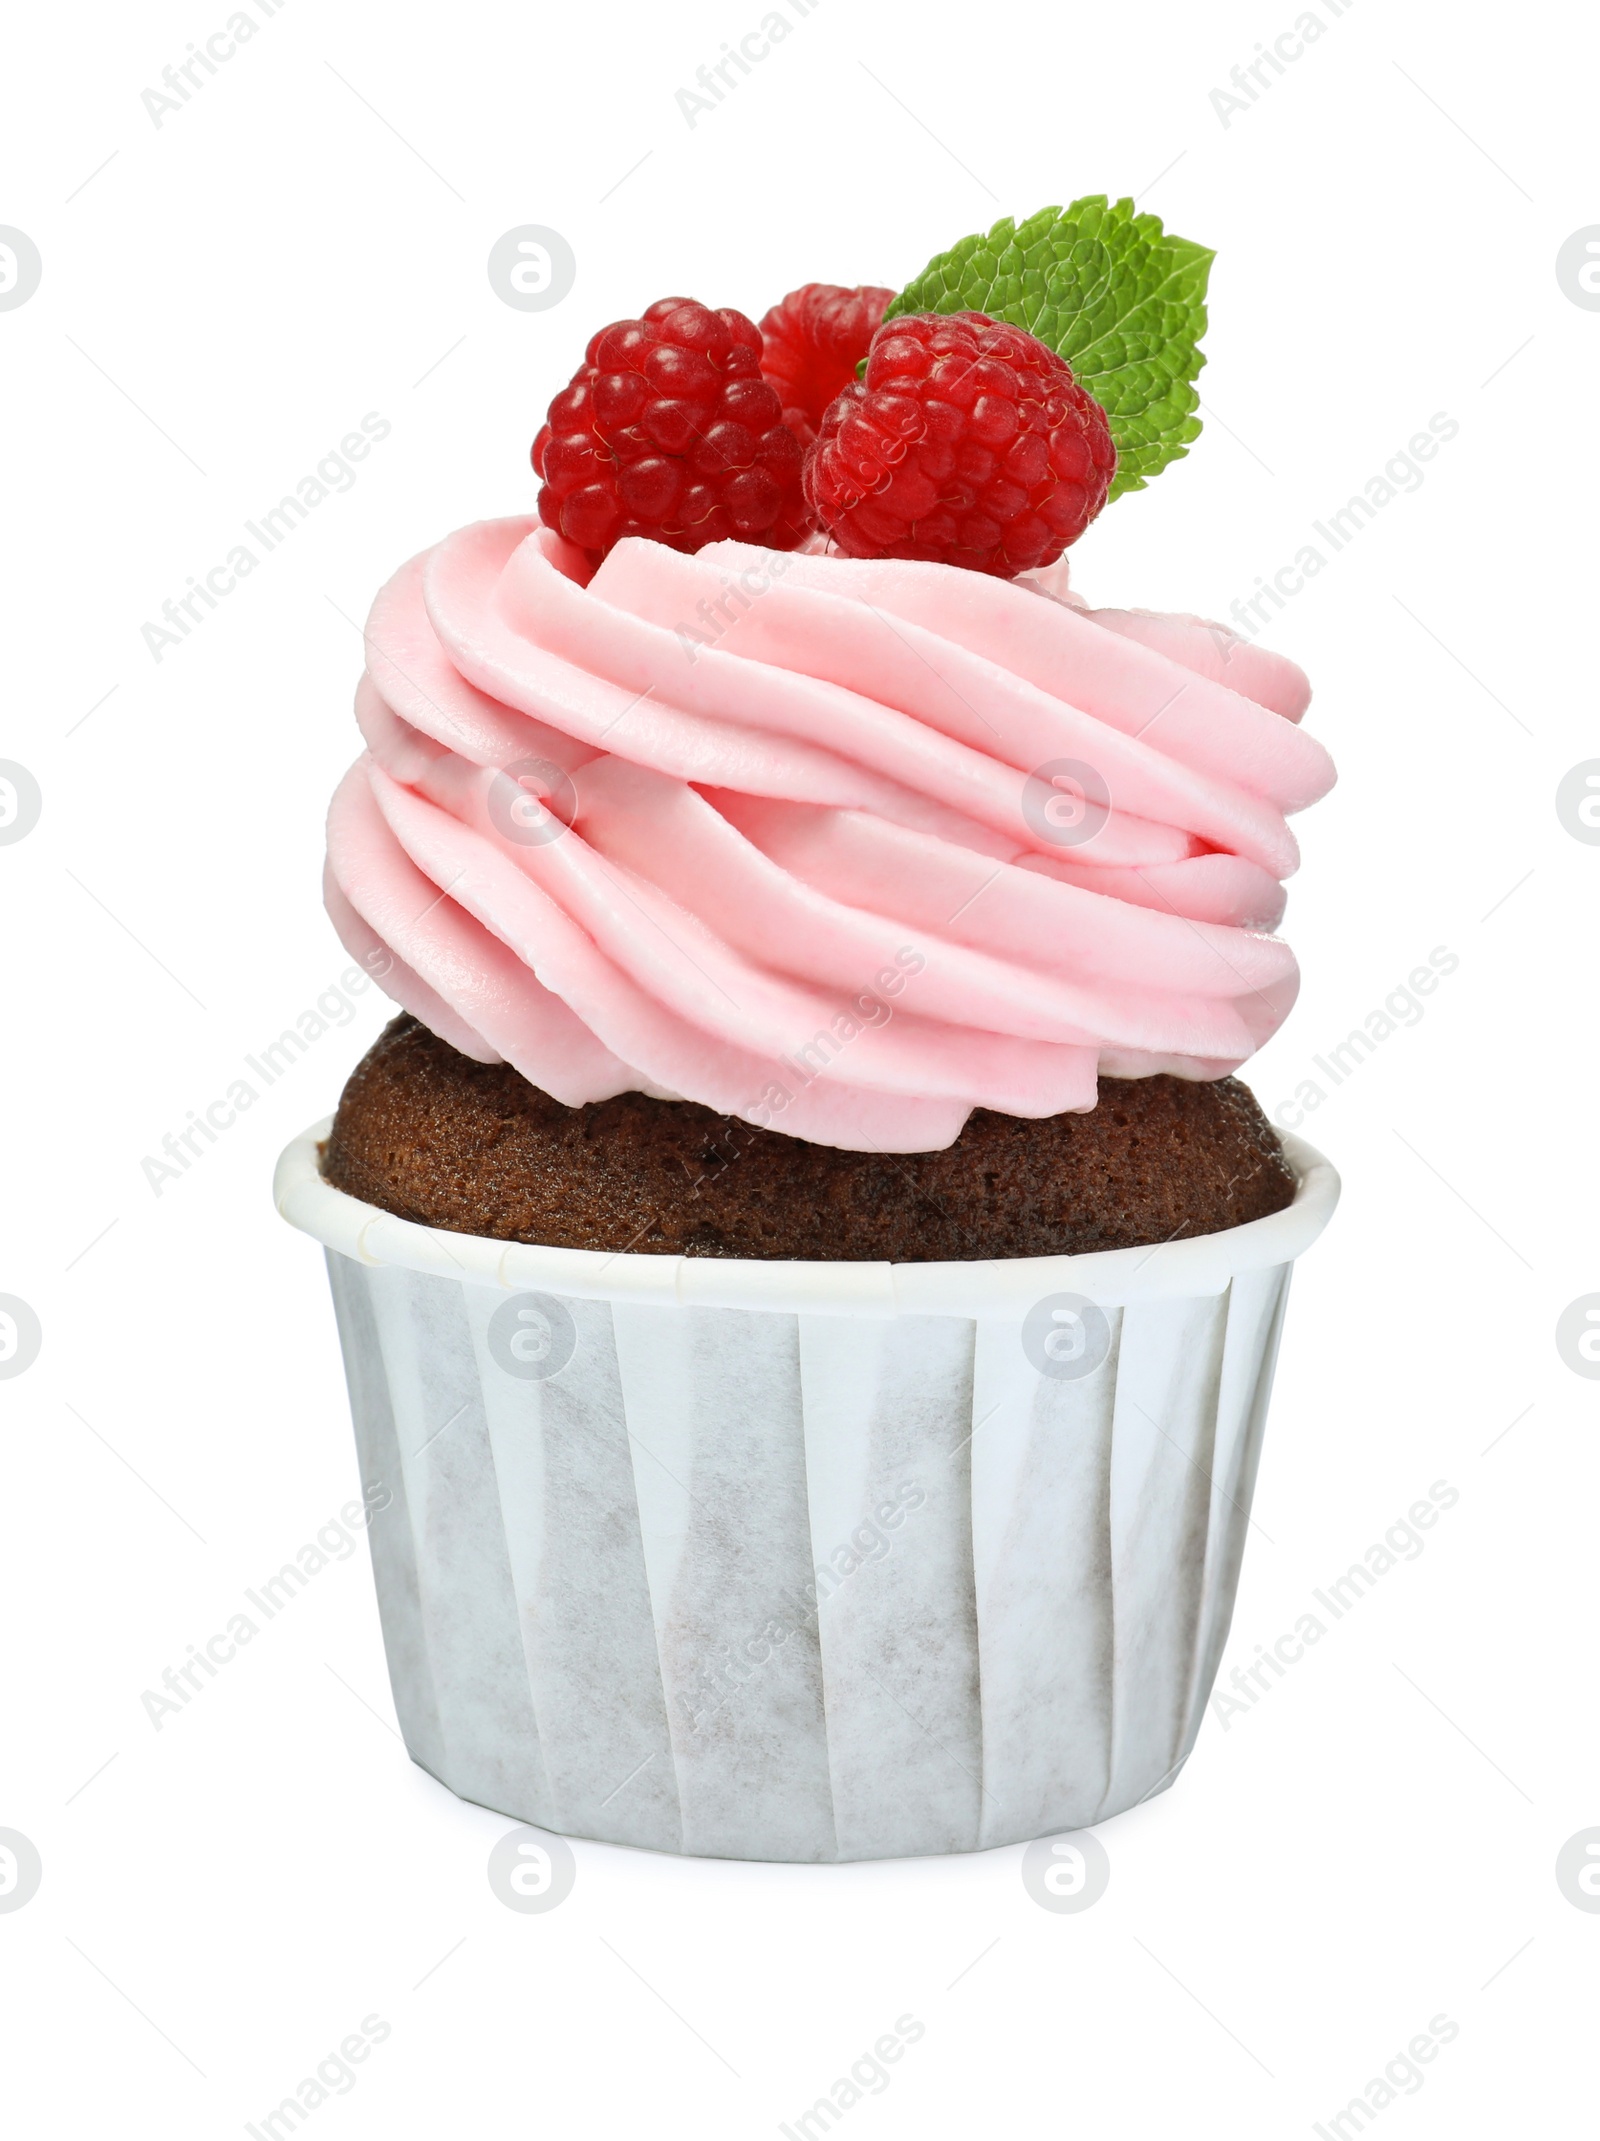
(1113,293)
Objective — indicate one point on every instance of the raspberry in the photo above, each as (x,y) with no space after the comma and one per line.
(969,442)
(668,430)
(811,345)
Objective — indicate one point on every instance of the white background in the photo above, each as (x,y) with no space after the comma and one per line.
(1373,1844)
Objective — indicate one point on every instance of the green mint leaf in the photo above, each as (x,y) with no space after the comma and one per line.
(1114,294)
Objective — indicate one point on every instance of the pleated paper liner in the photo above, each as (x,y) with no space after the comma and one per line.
(804,1561)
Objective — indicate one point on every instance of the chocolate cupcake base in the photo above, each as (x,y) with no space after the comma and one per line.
(431,1136)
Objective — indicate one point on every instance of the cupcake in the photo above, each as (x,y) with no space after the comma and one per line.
(808,1276)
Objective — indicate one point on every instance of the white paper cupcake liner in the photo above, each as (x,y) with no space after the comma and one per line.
(804,1561)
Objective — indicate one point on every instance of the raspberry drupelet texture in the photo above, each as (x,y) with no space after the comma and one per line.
(968,443)
(668,430)
(811,345)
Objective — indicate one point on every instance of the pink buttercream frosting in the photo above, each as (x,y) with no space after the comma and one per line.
(843,848)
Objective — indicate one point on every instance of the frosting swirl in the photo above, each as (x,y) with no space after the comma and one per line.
(844,848)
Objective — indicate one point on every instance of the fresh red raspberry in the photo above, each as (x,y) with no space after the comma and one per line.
(669,430)
(811,345)
(969,442)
